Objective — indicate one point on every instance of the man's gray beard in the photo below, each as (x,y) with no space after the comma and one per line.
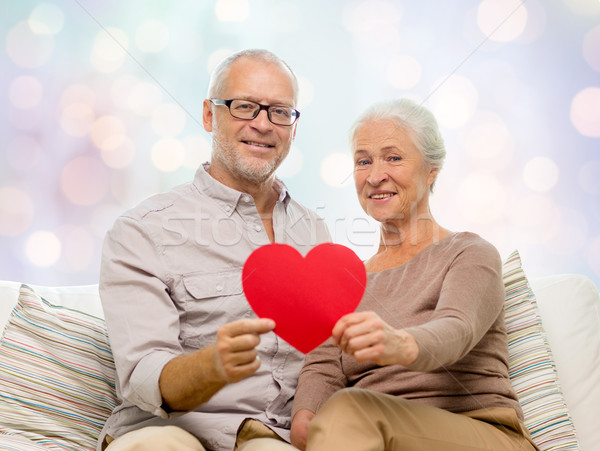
(256,175)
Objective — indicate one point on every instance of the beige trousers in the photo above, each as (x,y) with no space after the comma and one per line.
(362,420)
(172,438)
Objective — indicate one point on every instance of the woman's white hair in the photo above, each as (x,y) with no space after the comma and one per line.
(417,120)
(218,77)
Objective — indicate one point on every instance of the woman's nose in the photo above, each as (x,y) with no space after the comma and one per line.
(377,175)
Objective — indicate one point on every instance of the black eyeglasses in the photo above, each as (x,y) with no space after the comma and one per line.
(246,109)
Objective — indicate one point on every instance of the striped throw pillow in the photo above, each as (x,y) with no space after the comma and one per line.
(531,366)
(57,375)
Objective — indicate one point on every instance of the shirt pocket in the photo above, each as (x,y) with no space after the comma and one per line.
(211,300)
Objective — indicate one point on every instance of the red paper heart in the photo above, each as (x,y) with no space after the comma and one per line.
(304,296)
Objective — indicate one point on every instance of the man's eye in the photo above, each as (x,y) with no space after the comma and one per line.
(283,112)
(362,163)
(245,106)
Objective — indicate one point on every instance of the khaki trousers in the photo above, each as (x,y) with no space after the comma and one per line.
(172,438)
(362,420)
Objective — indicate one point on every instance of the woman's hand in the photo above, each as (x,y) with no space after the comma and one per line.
(367,337)
(299,431)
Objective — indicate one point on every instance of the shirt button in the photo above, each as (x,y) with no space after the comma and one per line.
(219,287)
(257,227)
(246,198)
(227,208)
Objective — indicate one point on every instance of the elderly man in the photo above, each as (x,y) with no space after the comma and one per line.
(196,369)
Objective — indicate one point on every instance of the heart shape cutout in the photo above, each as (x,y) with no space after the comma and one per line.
(304,296)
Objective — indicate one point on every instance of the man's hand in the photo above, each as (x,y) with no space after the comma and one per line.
(189,380)
(367,337)
(236,356)
(299,431)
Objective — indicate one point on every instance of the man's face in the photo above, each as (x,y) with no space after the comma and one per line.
(250,150)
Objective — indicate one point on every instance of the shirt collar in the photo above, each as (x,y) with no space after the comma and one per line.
(228,198)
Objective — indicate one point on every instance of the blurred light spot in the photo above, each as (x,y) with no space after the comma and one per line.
(370,15)
(197,151)
(589,177)
(108,132)
(232,10)
(593,255)
(584,7)
(571,237)
(502,20)
(77,247)
(143,98)
(585,112)
(487,137)
(216,57)
(307,93)
(25,92)
(540,174)
(537,21)
(481,198)
(78,93)
(591,48)
(168,120)
(84,181)
(292,164)
(453,101)
(337,169)
(103,218)
(168,155)
(16,211)
(46,18)
(43,248)
(284,17)
(403,72)
(119,157)
(109,49)
(536,219)
(28,120)
(76,119)
(27,49)
(121,89)
(185,46)
(23,152)
(152,36)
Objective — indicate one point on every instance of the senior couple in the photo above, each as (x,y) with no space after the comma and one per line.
(421,364)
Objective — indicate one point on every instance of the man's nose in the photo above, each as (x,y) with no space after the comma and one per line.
(261,121)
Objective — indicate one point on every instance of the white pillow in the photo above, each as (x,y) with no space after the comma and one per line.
(531,365)
(84,298)
(570,309)
(57,375)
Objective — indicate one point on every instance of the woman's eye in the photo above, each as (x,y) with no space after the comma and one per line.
(395,158)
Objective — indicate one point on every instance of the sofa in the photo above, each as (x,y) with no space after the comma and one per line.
(57,375)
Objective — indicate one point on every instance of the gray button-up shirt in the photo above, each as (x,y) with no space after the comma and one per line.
(170,277)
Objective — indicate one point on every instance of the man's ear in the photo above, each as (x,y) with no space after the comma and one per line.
(207,115)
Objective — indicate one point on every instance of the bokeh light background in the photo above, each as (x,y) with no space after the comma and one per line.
(101,107)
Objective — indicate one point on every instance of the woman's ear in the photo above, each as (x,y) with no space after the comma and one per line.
(433,173)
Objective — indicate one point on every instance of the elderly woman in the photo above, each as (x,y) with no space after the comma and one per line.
(422,363)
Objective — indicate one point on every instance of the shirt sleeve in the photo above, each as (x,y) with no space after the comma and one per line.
(470,301)
(142,320)
(320,377)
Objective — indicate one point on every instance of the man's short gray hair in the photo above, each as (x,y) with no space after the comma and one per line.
(218,77)
(417,120)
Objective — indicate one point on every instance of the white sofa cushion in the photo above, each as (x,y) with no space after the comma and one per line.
(531,365)
(57,374)
(569,305)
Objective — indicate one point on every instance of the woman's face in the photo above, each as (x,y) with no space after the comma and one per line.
(392,180)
